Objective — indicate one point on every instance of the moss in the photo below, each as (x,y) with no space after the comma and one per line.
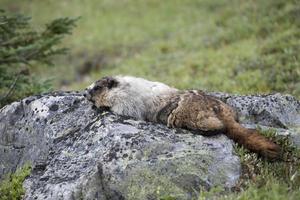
(161,182)
(272,189)
(167,198)
(11,188)
(145,183)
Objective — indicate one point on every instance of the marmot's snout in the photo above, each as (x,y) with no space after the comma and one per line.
(97,89)
(88,93)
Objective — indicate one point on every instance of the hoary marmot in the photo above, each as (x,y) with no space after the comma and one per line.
(189,109)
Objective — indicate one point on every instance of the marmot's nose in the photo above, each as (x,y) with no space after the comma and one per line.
(87,94)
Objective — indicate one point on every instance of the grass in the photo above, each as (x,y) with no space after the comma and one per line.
(237,46)
(262,179)
(11,188)
(231,46)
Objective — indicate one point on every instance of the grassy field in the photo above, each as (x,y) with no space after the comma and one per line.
(238,46)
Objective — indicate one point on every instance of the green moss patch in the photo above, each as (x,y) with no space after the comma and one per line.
(11,188)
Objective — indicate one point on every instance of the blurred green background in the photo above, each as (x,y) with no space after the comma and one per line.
(238,46)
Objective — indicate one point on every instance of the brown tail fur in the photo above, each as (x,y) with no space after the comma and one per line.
(253,141)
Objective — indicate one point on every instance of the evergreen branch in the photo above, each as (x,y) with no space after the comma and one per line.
(12,86)
(20,43)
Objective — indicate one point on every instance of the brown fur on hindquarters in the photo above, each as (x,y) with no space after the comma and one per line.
(193,110)
(202,112)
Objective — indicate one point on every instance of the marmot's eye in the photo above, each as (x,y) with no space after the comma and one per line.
(97,87)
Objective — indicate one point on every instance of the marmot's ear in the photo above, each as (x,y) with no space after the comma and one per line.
(111,82)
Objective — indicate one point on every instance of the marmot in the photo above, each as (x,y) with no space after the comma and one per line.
(190,109)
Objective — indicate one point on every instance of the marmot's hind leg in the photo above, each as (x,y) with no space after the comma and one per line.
(204,113)
(196,113)
(207,127)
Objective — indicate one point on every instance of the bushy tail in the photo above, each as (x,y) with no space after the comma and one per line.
(252,140)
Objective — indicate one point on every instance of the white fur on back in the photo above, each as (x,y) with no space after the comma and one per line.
(137,97)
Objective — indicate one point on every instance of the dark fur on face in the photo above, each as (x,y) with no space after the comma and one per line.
(96,92)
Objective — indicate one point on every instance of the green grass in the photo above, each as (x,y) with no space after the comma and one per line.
(237,46)
(11,188)
(270,180)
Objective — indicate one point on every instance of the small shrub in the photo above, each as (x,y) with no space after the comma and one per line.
(21,48)
(11,188)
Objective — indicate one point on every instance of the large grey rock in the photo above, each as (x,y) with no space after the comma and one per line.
(80,153)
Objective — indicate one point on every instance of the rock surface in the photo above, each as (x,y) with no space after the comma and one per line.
(280,112)
(80,153)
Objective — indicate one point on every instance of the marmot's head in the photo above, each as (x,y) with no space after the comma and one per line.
(130,96)
(98,91)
